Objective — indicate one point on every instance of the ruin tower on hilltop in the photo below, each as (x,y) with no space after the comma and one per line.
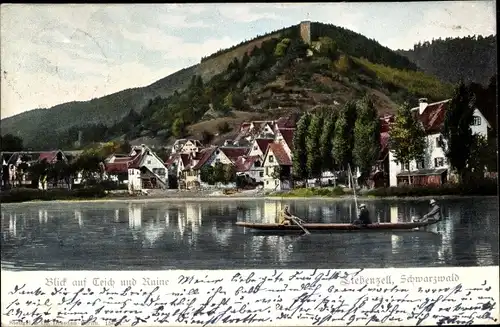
(305,31)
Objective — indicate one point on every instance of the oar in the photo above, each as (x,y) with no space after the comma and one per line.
(300,225)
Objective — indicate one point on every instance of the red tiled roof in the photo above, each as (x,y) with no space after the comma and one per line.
(233,153)
(185,159)
(122,164)
(287,134)
(263,143)
(116,167)
(203,156)
(136,160)
(49,156)
(280,154)
(170,160)
(244,163)
(432,117)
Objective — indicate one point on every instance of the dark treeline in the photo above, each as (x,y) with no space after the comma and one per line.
(360,46)
(471,58)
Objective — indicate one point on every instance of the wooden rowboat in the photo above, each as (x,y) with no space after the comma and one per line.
(322,227)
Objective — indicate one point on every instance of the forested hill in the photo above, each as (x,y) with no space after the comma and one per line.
(273,74)
(473,58)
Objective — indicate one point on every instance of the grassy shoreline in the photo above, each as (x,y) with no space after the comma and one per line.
(331,194)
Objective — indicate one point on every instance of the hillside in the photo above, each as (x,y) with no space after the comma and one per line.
(472,58)
(268,76)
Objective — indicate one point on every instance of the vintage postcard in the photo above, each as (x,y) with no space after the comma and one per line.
(267,164)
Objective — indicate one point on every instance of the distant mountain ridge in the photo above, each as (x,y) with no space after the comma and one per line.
(33,125)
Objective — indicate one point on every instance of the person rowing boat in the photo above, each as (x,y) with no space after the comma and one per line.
(433,215)
(363,216)
(287,218)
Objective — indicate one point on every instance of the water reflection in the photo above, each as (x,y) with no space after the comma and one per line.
(203,235)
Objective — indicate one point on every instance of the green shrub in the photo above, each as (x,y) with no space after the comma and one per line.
(480,187)
(315,192)
(17,195)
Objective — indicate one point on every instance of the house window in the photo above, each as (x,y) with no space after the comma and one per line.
(257,164)
(420,164)
(476,120)
(271,158)
(439,141)
(261,174)
(267,182)
(267,171)
(255,147)
(438,162)
(217,160)
(149,162)
(406,166)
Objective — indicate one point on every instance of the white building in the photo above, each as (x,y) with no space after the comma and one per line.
(186,146)
(277,160)
(250,166)
(434,167)
(144,168)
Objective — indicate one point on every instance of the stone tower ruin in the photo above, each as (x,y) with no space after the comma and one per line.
(305,31)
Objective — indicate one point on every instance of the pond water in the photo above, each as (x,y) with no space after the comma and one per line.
(203,235)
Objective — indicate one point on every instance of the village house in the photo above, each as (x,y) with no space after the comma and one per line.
(258,147)
(434,168)
(15,167)
(177,162)
(210,156)
(251,167)
(186,146)
(144,168)
(277,168)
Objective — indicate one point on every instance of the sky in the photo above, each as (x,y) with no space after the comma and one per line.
(52,54)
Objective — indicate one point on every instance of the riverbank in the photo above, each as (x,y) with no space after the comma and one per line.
(328,194)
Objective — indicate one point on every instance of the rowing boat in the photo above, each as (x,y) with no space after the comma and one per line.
(323,227)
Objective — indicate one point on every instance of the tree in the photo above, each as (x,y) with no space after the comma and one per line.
(299,147)
(276,174)
(229,174)
(366,137)
(178,128)
(343,141)
(218,173)
(483,156)
(328,47)
(456,130)
(11,143)
(224,128)
(207,175)
(313,158)
(125,147)
(326,142)
(406,137)
(206,137)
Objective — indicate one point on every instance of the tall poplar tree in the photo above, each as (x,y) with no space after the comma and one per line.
(406,137)
(299,160)
(343,140)
(326,142)
(456,129)
(366,137)
(313,161)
